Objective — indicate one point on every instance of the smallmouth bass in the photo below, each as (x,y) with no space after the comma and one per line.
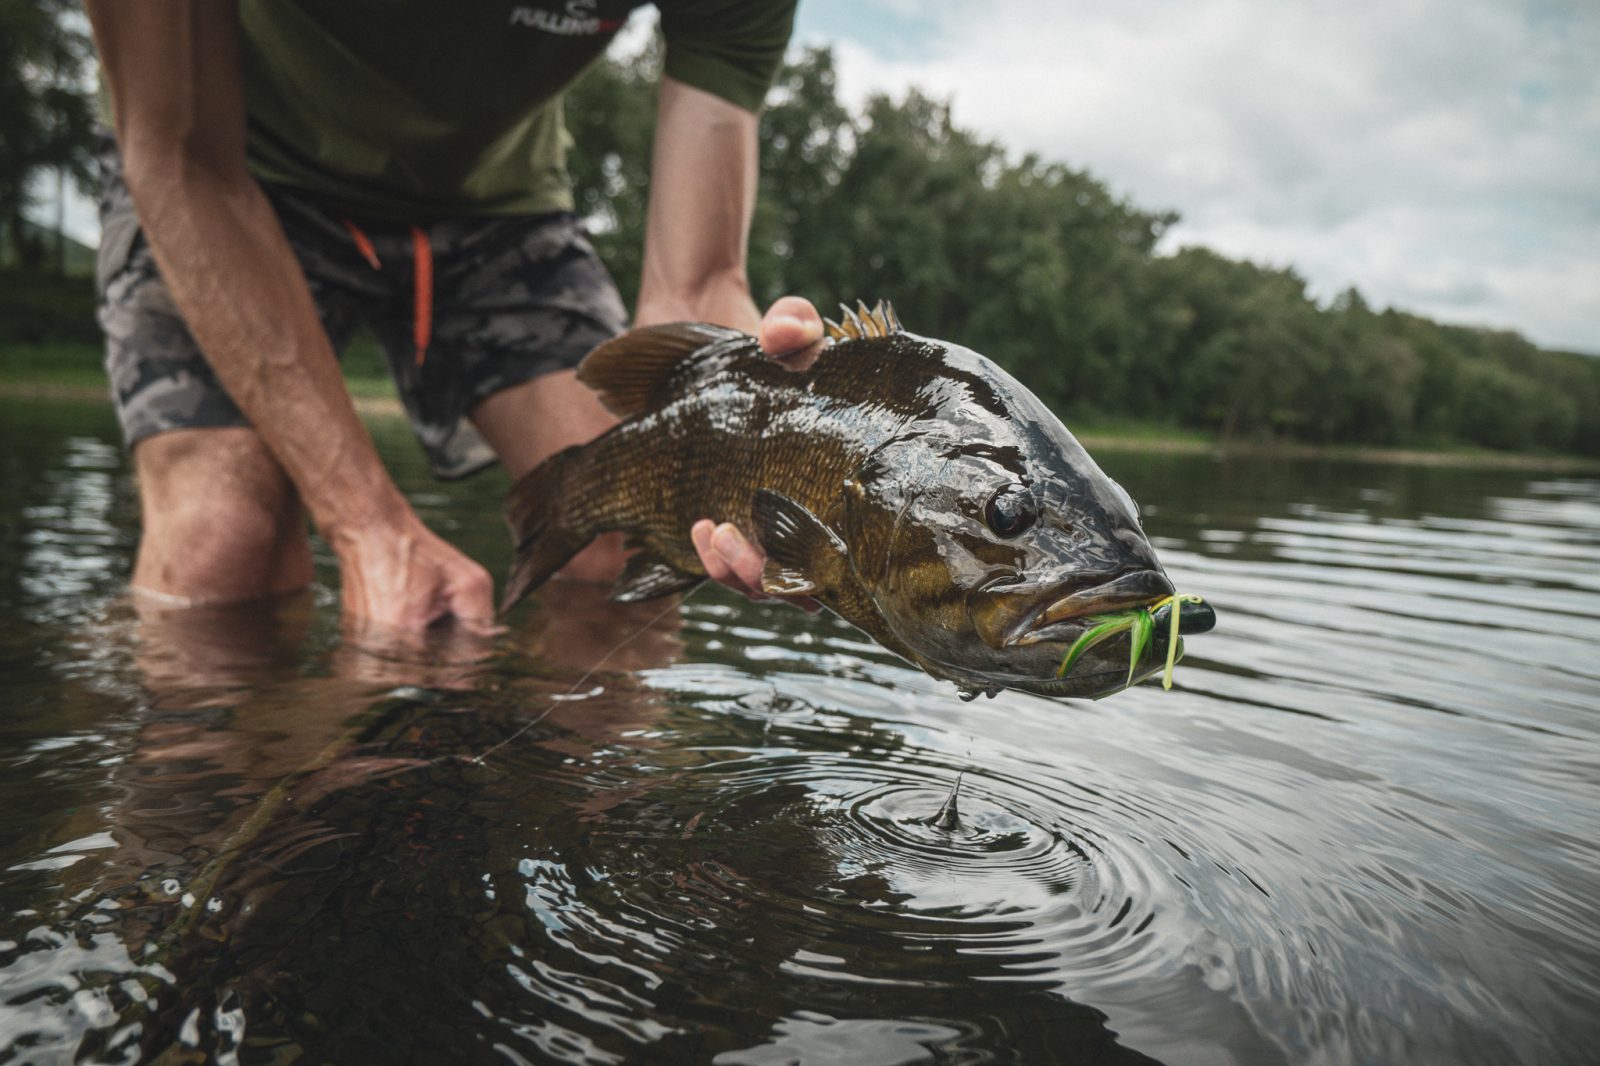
(908,484)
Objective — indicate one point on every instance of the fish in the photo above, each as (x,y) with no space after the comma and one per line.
(910,485)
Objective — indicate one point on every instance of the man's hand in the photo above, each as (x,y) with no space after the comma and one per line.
(791,333)
(406,577)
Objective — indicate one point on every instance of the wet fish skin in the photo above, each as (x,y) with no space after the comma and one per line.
(873,481)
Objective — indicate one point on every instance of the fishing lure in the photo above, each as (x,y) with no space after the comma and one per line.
(1141,623)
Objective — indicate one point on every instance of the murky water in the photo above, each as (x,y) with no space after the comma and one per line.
(1361,828)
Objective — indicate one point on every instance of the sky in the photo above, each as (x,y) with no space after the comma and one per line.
(1441,157)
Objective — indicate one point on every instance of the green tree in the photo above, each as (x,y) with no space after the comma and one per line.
(1249,347)
(1367,379)
(611,115)
(1046,270)
(46,114)
(807,137)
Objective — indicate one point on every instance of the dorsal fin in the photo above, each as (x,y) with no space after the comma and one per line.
(628,371)
(862,323)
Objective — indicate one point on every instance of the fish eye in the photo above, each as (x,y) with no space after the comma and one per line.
(1010,511)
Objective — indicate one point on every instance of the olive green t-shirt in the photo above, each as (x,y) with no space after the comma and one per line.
(414,111)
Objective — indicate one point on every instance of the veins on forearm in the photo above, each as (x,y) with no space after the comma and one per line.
(249,308)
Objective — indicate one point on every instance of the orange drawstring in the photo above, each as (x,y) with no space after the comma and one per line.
(363,245)
(422,300)
(422,274)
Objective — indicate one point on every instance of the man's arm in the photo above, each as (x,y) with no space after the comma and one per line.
(173,70)
(702,194)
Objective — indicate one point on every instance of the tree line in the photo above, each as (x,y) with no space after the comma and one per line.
(1044,269)
(46,116)
(1030,261)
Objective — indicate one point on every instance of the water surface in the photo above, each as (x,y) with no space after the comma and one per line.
(1360,828)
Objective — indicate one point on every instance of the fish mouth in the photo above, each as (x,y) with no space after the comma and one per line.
(1086,686)
(1062,618)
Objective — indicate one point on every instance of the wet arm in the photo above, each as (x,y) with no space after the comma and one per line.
(174,73)
(702,194)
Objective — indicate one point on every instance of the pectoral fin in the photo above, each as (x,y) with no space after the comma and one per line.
(804,556)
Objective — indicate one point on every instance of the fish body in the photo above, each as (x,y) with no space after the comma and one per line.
(908,484)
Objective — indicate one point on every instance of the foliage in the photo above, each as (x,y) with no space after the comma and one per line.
(1036,264)
(46,114)
(611,116)
(1045,269)
(68,255)
(37,308)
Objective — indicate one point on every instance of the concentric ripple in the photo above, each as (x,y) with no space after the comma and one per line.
(1358,829)
(846,862)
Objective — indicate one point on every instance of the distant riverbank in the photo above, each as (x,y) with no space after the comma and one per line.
(70,372)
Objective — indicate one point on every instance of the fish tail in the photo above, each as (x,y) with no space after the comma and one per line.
(536,510)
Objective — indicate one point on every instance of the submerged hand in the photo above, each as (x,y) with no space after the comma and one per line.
(407,577)
(791,333)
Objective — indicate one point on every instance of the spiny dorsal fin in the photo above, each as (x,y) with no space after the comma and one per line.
(862,323)
(629,370)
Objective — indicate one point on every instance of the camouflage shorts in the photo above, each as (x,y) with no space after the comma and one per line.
(513,297)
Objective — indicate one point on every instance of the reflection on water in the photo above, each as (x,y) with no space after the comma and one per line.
(1360,828)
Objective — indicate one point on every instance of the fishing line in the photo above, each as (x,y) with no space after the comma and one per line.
(478,760)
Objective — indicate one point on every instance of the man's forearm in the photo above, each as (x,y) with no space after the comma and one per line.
(723,299)
(702,192)
(174,71)
(240,289)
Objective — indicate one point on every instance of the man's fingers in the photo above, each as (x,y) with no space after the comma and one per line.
(789,324)
(785,333)
(481,627)
(791,332)
(745,561)
(472,602)
(718,566)
(735,562)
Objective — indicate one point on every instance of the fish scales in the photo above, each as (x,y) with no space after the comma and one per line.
(745,421)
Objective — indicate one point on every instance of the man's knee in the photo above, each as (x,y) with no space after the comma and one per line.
(222,521)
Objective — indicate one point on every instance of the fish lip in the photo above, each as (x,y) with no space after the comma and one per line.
(1086,686)
(1053,619)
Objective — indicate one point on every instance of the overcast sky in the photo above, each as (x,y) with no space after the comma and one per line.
(1442,157)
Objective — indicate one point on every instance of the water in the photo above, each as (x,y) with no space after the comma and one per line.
(1361,828)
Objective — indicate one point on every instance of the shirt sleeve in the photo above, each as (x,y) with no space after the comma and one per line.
(729,48)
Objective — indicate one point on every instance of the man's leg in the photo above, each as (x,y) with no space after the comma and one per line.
(222,522)
(519,303)
(531,421)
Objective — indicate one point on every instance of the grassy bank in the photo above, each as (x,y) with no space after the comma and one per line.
(73,368)
(72,371)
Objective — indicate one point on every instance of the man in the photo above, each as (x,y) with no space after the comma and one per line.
(286,168)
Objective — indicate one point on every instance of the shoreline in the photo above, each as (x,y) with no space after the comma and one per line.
(388,407)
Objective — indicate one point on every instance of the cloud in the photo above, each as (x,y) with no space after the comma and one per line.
(1442,157)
